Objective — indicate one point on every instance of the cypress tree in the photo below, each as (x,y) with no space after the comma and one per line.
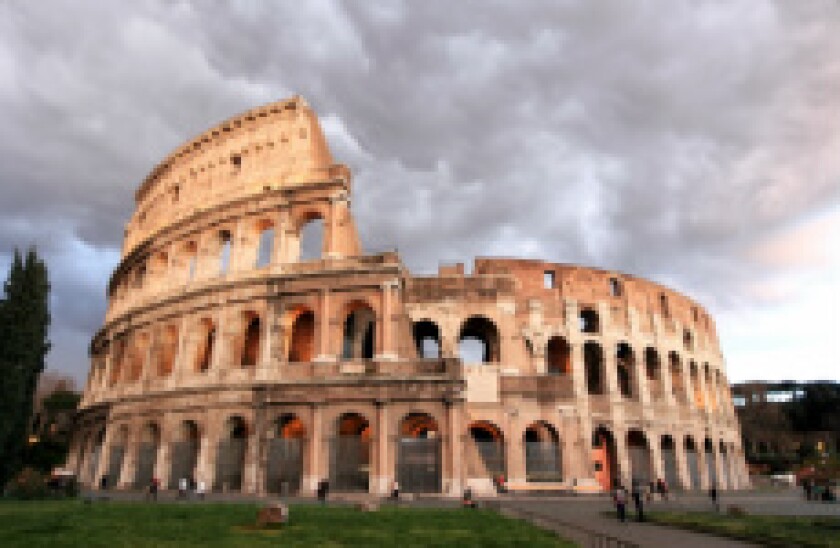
(24,320)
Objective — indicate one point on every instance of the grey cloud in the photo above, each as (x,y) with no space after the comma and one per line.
(659,138)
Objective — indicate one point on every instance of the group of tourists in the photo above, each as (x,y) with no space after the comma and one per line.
(640,494)
(188,486)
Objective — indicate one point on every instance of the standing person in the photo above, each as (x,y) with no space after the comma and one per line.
(200,489)
(395,491)
(638,501)
(620,500)
(713,494)
(153,489)
(183,484)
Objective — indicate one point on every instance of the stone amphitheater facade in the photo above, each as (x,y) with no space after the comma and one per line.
(230,357)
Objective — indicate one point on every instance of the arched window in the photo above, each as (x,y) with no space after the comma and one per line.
(359,333)
(479,341)
(224,252)
(589,321)
(251,343)
(311,238)
(558,356)
(302,343)
(427,339)
(615,287)
(625,361)
(204,356)
(593,363)
(266,246)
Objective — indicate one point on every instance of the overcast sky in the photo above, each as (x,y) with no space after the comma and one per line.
(696,144)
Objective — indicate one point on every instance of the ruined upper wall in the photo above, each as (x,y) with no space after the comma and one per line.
(589,286)
(280,145)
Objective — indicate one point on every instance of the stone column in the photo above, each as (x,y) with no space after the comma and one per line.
(180,367)
(514,449)
(104,456)
(667,382)
(317,455)
(623,456)
(702,463)
(252,455)
(324,318)
(453,480)
(205,469)
(129,459)
(657,464)
(383,474)
(683,474)
(387,350)
(163,465)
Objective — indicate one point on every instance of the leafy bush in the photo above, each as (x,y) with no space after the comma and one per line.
(29,484)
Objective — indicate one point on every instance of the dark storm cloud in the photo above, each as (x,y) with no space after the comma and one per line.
(661,138)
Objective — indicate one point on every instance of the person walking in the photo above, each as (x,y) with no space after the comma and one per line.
(620,500)
(713,494)
(638,501)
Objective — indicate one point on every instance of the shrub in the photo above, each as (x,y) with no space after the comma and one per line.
(29,484)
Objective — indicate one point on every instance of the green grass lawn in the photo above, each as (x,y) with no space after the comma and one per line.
(767,530)
(72,523)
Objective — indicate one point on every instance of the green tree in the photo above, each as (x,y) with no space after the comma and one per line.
(24,320)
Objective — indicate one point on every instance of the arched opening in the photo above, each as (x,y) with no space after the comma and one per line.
(167,351)
(692,462)
(688,340)
(542,453)
(284,470)
(359,332)
(558,356)
(225,240)
(604,458)
(265,246)
(427,339)
(118,358)
(350,454)
(641,467)
(206,345)
(615,287)
(626,365)
(184,454)
(478,341)
(663,306)
(699,400)
(302,340)
(487,456)
(147,451)
(669,461)
(653,373)
(589,321)
(419,454)
(593,364)
(116,456)
(190,260)
(677,380)
(137,356)
(251,340)
(311,238)
(711,468)
(230,456)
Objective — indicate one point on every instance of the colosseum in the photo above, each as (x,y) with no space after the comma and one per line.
(251,344)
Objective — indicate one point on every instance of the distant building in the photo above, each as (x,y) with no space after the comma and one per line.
(773,440)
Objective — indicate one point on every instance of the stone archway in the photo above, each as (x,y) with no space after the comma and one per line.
(183,454)
(692,463)
(604,458)
(230,455)
(486,457)
(419,467)
(284,469)
(542,453)
(641,467)
(669,461)
(147,450)
(350,454)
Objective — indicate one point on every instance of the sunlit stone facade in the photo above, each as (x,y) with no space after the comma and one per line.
(230,357)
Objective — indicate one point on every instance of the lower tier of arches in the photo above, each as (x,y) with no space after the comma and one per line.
(423,446)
